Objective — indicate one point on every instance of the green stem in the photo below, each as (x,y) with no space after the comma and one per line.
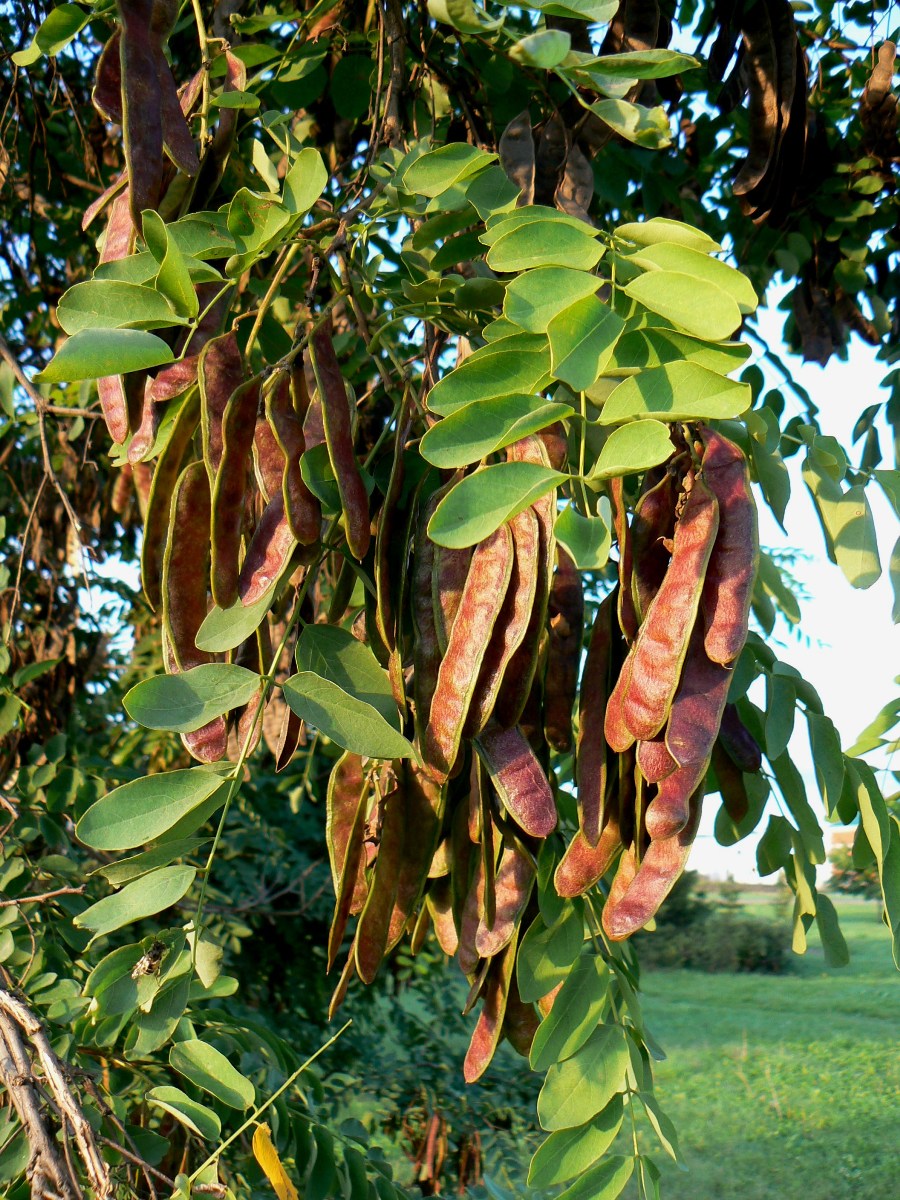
(270,296)
(204,66)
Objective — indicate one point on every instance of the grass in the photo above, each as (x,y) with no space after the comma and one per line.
(784,1086)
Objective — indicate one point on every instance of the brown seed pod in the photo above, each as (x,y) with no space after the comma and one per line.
(347,805)
(230,490)
(519,779)
(470,919)
(301,507)
(516,151)
(440,908)
(739,742)
(219,372)
(662,642)
(732,788)
(268,554)
(566,612)
(142,127)
(156,525)
(652,530)
(521,1021)
(448,582)
(426,647)
(591,748)
(735,557)
(583,865)
(654,759)
(480,606)
(514,881)
(339,439)
(375,920)
(424,804)
(117,244)
(489,1027)
(628,618)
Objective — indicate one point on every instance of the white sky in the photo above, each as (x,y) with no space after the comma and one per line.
(853,650)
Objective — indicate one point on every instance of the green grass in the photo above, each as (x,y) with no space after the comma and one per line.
(784,1086)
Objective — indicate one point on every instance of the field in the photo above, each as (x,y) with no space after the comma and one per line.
(785,1086)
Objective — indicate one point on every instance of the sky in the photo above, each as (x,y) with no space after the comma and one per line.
(850,650)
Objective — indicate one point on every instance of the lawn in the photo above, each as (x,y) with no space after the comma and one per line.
(785,1085)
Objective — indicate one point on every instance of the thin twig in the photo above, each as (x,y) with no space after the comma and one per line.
(63,891)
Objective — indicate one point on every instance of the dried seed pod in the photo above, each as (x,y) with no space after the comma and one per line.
(426,646)
(628,618)
(584,865)
(513,884)
(480,606)
(739,742)
(576,188)
(230,490)
(521,1021)
(347,805)
(448,582)
(662,642)
(122,488)
(117,244)
(375,919)
(489,1027)
(735,556)
(550,157)
(519,779)
(142,126)
(564,658)
(556,445)
(255,654)
(630,907)
(339,439)
(268,554)
(440,908)
(219,372)
(513,621)
(392,551)
(144,436)
(516,150)
(168,466)
(591,747)
(654,759)
(483,831)
(470,919)
(652,530)
(424,809)
(300,505)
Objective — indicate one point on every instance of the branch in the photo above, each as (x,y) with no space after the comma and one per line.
(392,127)
(63,891)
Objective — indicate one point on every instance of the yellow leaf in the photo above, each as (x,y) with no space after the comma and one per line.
(267,1156)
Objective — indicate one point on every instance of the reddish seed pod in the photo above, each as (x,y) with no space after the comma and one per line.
(230,490)
(173,379)
(521,1021)
(440,908)
(424,804)
(735,557)
(628,618)
(448,582)
(268,460)
(142,126)
(117,244)
(300,505)
(591,748)
(654,759)
(121,494)
(470,919)
(618,735)
(268,554)
(652,529)
(145,435)
(489,1027)
(339,439)
(220,371)
(553,439)
(519,779)
(583,865)
(482,599)
(375,919)
(347,807)
(426,647)
(662,642)
(564,655)
(514,881)
(168,466)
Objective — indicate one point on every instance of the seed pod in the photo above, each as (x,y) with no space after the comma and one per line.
(631,907)
(375,919)
(219,372)
(512,623)
(268,460)
(470,919)
(300,505)
(618,736)
(268,554)
(514,881)
(168,466)
(339,439)
(652,527)
(520,674)
(735,556)
(347,807)
(654,759)
(141,110)
(564,657)
(117,244)
(426,648)
(520,782)
(173,379)
(480,606)
(576,188)
(142,473)
(484,833)
(591,747)
(291,735)
(121,494)
(739,742)
(144,436)
(391,550)
(185,572)
(489,1027)
(517,156)
(440,908)
(521,1021)
(732,788)
(662,643)
(339,995)
(628,618)
(255,654)
(556,445)
(583,865)
(448,582)
(424,810)
(230,490)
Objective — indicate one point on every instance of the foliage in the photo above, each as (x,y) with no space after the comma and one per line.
(398,318)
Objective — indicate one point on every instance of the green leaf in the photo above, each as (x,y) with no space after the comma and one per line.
(94,353)
(595,11)
(662,1126)
(305,181)
(235,99)
(435,172)
(780,712)
(633,447)
(678,391)
(530,215)
(54,34)
(191,699)
(645,64)
(501,368)
(476,430)
(640,348)
(575,1013)
(648,127)
(569,1152)
(582,339)
(667,256)
(35,670)
(226,628)
(545,244)
(173,280)
(491,192)
(208,1069)
(255,220)
(481,502)
(547,953)
(833,943)
(847,523)
(696,305)
(577,1089)
(110,304)
(662,229)
(462,15)
(195,1116)
(774,847)
(894,573)
(603,1182)
(587,539)
(348,722)
(144,809)
(145,897)
(545,49)
(118,873)
(534,298)
(828,761)
(335,654)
